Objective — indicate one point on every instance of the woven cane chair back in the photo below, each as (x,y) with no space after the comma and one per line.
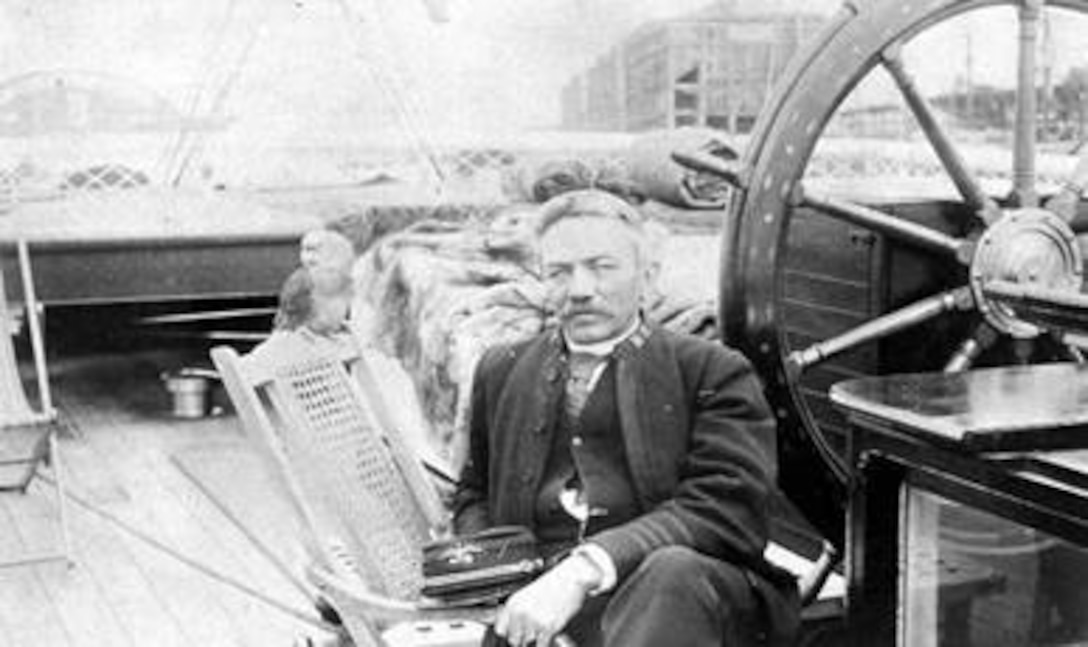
(346,467)
(361,494)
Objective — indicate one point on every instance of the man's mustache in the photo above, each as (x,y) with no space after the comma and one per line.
(577,311)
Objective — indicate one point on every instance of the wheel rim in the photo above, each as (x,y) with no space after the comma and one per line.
(980,237)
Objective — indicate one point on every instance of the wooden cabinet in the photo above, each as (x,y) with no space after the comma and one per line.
(968,507)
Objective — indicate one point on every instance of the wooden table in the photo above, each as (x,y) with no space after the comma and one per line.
(1000,447)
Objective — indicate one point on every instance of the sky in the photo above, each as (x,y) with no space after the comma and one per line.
(495,65)
(985,43)
(329,69)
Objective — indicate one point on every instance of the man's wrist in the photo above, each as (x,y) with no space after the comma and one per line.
(583,572)
(599,563)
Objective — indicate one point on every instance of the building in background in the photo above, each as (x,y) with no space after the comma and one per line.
(713,68)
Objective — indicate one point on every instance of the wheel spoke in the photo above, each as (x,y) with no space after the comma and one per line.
(1073,345)
(1023,160)
(702,162)
(981,339)
(942,145)
(1045,307)
(889,225)
(883,326)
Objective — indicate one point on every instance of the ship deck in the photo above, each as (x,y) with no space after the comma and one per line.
(158,554)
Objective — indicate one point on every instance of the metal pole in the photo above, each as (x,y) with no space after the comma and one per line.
(1023,172)
(37,344)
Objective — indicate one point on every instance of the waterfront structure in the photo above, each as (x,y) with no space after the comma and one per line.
(710,68)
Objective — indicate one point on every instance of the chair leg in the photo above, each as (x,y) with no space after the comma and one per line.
(62,499)
(64,553)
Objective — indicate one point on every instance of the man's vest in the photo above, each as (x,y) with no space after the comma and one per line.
(587,454)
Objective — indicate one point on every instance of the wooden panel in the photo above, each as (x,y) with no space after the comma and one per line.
(817,321)
(829,291)
(827,247)
(155,271)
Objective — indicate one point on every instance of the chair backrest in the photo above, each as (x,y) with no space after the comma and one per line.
(360,493)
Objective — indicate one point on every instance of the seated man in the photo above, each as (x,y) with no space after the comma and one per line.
(664,439)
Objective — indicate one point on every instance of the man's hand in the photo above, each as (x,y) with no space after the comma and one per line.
(536,613)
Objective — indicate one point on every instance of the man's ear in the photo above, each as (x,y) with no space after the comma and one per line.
(651,272)
(651,296)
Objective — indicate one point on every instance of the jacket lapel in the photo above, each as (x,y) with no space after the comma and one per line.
(528,411)
(631,403)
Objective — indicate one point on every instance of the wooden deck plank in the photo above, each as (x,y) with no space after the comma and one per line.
(224,549)
(191,598)
(165,501)
(74,595)
(231,476)
(125,591)
(8,618)
(121,581)
(123,585)
(251,565)
(32,619)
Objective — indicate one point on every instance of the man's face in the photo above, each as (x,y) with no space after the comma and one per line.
(594,276)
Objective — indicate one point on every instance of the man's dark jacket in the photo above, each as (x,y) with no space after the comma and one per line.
(699,440)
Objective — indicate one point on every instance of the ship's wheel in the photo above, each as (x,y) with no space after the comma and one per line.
(820,284)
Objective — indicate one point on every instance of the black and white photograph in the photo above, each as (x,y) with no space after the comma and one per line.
(571,323)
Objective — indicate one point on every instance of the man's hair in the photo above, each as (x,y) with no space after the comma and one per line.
(594,203)
(588,203)
(296,301)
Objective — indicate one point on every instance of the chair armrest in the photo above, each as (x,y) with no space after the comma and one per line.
(811,575)
(812,583)
(351,596)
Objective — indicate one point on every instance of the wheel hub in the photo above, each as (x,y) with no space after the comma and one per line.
(1027,246)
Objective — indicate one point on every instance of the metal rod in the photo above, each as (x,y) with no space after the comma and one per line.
(1023,163)
(37,344)
(706,163)
(898,228)
(376,60)
(207,315)
(29,560)
(942,145)
(880,327)
(964,358)
(62,501)
(198,566)
(254,541)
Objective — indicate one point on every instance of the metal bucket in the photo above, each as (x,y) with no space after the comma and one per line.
(190,389)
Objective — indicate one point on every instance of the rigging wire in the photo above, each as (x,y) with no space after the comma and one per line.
(192,102)
(406,110)
(220,98)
